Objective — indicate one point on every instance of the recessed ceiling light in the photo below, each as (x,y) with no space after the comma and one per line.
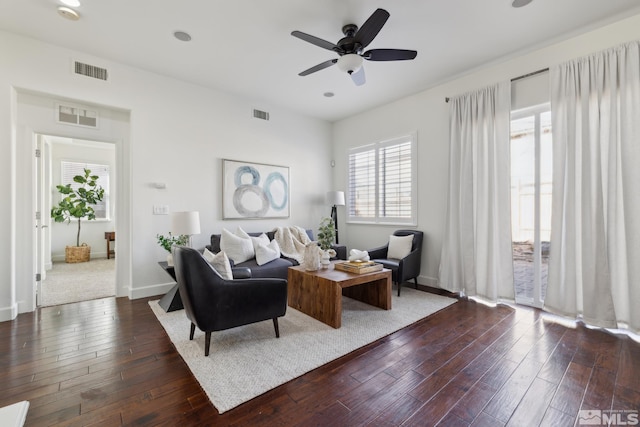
(328,94)
(71,14)
(71,3)
(520,3)
(182,36)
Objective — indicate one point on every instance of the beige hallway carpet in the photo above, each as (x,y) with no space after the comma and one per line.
(248,361)
(82,281)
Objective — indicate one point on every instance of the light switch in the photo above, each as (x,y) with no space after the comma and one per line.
(161,209)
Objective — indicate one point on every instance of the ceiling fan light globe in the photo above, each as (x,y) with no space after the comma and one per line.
(350,63)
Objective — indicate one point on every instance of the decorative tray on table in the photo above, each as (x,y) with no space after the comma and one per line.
(358,266)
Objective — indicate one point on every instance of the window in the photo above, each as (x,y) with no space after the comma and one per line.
(382,182)
(71,169)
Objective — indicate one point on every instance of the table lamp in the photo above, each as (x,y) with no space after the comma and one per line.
(185,223)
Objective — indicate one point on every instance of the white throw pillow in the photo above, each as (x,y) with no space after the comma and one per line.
(240,232)
(220,263)
(260,240)
(399,246)
(267,253)
(236,246)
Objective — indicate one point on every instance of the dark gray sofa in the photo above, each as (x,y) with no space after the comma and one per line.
(277,268)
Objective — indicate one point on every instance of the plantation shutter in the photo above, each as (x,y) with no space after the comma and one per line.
(395,181)
(362,184)
(71,169)
(382,182)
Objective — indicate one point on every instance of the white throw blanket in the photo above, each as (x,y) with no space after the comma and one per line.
(292,241)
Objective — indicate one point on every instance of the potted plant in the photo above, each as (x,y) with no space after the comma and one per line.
(326,236)
(77,204)
(168,241)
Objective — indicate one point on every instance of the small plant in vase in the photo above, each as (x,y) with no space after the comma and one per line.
(326,236)
(168,241)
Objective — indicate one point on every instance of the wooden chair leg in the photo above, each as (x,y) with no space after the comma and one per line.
(207,343)
(193,330)
(275,326)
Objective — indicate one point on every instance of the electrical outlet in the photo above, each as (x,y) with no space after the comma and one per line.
(160,209)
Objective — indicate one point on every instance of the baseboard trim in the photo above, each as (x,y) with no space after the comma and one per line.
(438,291)
(152,290)
(61,258)
(427,280)
(430,284)
(8,313)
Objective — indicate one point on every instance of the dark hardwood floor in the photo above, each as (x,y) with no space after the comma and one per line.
(109,362)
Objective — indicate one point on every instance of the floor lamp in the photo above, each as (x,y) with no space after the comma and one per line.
(335,199)
(185,224)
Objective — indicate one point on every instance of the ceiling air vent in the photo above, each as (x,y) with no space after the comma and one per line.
(90,71)
(258,114)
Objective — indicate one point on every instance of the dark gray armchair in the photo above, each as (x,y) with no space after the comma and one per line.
(214,304)
(402,269)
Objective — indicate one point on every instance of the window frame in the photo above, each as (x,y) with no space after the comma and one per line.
(376,147)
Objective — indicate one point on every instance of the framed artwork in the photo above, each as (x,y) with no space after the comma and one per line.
(254,190)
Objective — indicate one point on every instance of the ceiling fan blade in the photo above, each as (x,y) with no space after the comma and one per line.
(389,54)
(372,26)
(318,67)
(316,41)
(358,77)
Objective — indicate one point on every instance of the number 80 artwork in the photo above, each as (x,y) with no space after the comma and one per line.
(254,190)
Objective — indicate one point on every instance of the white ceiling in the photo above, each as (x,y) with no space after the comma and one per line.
(245,46)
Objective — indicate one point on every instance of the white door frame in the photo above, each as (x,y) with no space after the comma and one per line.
(25,242)
(42,158)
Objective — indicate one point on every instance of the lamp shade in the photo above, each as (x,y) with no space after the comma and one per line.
(185,223)
(335,198)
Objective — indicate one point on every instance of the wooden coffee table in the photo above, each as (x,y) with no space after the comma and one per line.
(319,293)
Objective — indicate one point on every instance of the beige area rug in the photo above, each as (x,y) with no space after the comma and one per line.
(248,361)
(82,281)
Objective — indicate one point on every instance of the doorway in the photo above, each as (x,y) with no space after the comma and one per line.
(58,160)
(531,190)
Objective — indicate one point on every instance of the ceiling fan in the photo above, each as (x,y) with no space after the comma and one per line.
(350,47)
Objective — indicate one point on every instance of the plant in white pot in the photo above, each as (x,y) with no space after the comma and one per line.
(77,204)
(168,241)
(326,236)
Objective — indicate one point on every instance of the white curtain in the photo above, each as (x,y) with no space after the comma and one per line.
(594,266)
(476,252)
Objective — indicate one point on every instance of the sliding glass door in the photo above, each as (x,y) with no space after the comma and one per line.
(531,189)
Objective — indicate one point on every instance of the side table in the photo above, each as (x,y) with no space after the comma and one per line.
(171,301)
(110,236)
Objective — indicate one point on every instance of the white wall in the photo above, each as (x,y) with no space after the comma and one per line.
(92,232)
(427,113)
(178,135)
